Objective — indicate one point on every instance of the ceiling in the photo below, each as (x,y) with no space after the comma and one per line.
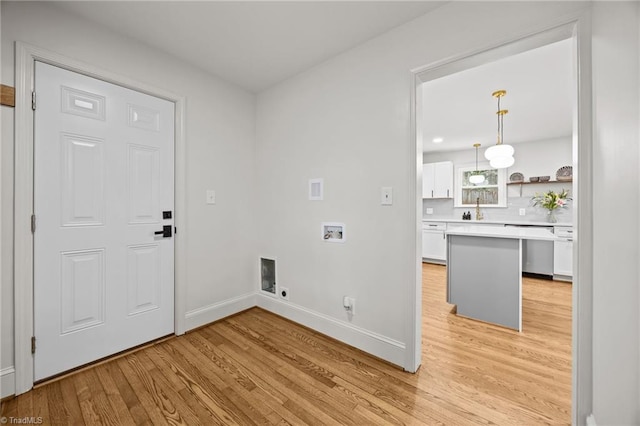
(460,109)
(258,44)
(254,44)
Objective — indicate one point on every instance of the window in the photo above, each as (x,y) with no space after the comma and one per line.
(491,193)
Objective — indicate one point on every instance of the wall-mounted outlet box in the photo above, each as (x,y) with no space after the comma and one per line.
(316,189)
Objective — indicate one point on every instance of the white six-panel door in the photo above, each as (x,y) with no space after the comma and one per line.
(103,278)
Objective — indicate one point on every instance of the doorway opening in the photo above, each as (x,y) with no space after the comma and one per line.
(428,94)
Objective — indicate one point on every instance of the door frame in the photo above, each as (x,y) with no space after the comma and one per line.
(26,56)
(578,28)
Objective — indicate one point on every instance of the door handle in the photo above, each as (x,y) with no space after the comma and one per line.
(166,231)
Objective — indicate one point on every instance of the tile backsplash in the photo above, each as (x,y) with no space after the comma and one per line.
(444,209)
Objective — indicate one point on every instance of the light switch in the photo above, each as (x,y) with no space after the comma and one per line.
(386,196)
(211,196)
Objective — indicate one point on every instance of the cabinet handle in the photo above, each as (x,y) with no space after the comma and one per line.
(447,193)
(433,225)
(432,193)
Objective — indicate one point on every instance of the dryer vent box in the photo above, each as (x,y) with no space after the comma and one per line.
(268,275)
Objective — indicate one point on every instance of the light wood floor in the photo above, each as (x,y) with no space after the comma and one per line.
(257,368)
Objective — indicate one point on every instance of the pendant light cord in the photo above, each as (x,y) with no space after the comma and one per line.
(499,123)
(476,159)
(500,114)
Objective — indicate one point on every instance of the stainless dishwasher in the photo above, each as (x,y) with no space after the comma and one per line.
(537,256)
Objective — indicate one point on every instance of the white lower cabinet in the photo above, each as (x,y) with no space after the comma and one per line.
(563,253)
(434,241)
(434,246)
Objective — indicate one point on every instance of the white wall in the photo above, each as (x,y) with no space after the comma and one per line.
(615,177)
(220,139)
(6,235)
(348,120)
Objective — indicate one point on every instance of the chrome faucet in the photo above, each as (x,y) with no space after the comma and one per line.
(478,212)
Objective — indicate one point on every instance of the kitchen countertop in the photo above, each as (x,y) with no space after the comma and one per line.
(495,222)
(528,233)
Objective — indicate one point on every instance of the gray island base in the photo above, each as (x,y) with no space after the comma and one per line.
(484,272)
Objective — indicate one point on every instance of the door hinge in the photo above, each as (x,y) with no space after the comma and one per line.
(33,344)
(33,101)
(33,223)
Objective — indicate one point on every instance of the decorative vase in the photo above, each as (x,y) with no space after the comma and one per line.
(551,216)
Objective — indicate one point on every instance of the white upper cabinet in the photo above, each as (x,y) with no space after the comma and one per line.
(437,180)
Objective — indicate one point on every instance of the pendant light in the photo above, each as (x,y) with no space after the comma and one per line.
(500,155)
(476,177)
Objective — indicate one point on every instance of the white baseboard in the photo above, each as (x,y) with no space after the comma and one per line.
(7,382)
(567,278)
(208,314)
(376,344)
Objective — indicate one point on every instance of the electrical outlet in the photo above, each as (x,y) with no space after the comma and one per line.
(522,212)
(349,304)
(284,293)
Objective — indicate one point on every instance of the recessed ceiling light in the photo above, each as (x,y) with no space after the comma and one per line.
(437,140)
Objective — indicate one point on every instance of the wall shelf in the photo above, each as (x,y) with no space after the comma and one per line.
(537,183)
(533,183)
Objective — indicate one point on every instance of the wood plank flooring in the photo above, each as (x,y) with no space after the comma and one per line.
(258,368)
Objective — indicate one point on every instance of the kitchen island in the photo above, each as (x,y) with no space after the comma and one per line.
(484,271)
